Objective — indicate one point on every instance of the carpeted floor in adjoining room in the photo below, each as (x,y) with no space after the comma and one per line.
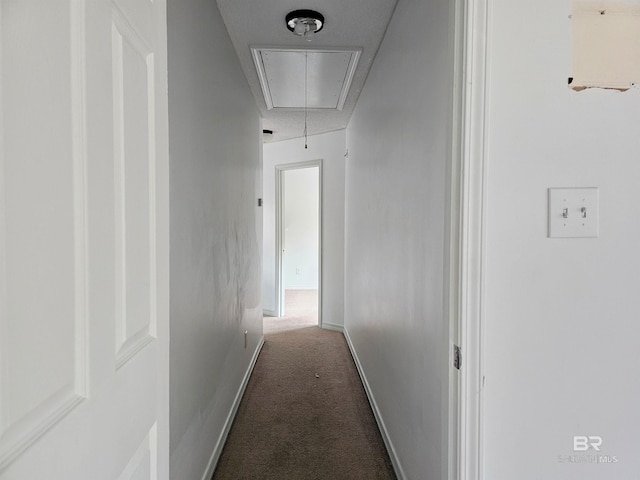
(301,310)
(304,414)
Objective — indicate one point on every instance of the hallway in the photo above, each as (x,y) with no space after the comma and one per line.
(138,233)
(304,414)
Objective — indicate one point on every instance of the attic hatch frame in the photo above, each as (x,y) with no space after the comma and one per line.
(257,51)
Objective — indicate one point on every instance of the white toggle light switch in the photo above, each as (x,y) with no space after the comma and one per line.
(573,212)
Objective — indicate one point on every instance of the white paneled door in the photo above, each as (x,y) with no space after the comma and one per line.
(83,240)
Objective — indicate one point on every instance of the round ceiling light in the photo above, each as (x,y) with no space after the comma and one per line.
(304,22)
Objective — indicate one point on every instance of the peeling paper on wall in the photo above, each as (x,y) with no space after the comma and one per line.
(606,45)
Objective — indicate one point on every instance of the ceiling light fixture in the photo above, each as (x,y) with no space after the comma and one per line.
(304,22)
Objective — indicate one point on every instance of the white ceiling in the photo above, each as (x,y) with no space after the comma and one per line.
(349,24)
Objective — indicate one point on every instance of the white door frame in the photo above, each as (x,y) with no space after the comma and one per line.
(280,189)
(465,303)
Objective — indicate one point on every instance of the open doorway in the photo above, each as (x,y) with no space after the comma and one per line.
(298,244)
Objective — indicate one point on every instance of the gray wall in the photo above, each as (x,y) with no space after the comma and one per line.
(398,141)
(215,230)
(561,315)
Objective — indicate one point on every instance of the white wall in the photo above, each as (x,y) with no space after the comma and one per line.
(329,147)
(395,232)
(561,315)
(215,262)
(301,228)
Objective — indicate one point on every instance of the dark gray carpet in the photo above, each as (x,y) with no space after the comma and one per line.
(304,415)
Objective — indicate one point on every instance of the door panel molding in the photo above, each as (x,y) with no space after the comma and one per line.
(135,185)
(25,432)
(18,434)
(80,160)
(143,463)
(63,401)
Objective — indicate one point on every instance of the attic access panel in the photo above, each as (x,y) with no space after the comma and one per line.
(282,76)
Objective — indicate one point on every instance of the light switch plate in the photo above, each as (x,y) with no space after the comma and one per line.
(573,212)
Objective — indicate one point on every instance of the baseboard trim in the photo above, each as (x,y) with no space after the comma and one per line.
(269,313)
(217,451)
(395,461)
(333,326)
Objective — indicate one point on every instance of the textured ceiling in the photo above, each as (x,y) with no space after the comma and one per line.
(348,24)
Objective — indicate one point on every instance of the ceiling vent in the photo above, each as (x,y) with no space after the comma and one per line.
(303,78)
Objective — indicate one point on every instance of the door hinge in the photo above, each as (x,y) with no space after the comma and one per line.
(457,357)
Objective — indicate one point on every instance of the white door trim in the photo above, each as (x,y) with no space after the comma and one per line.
(280,169)
(451,395)
(471,113)
(279,310)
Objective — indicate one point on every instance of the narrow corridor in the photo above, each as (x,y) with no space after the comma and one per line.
(305,414)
